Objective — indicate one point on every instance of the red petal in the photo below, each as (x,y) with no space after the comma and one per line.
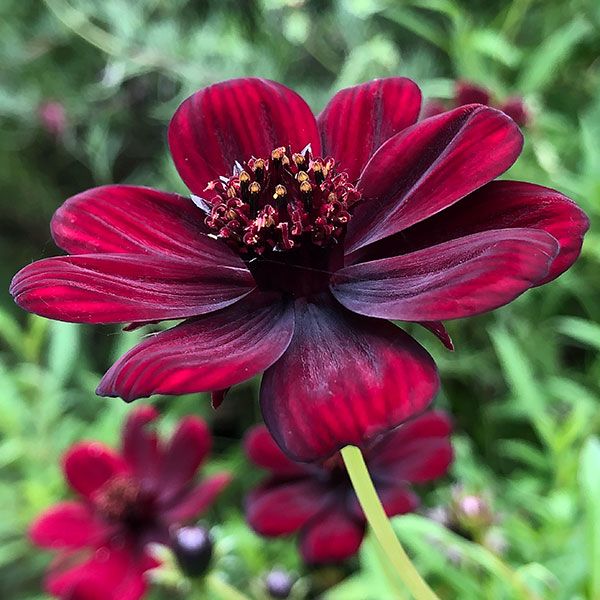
(470,93)
(187,449)
(126,219)
(212,352)
(234,121)
(197,501)
(416,452)
(118,288)
(456,279)
(438,329)
(497,205)
(428,167)
(359,119)
(89,465)
(141,447)
(343,379)
(116,572)
(67,525)
(262,450)
(275,509)
(332,536)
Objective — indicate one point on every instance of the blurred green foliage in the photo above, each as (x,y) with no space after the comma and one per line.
(523,385)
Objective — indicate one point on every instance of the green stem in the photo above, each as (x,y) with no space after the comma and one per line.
(377,519)
(221,589)
(390,574)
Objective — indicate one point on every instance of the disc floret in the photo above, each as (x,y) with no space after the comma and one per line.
(280,203)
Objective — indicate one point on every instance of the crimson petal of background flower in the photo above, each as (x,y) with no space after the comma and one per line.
(233,121)
(188,447)
(115,571)
(212,352)
(331,536)
(127,219)
(359,119)
(275,510)
(117,288)
(89,465)
(262,450)
(343,378)
(196,501)
(428,167)
(67,525)
(459,278)
(141,447)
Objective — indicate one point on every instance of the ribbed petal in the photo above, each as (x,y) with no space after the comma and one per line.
(460,278)
(209,353)
(332,536)
(118,288)
(275,509)
(195,502)
(186,451)
(234,121)
(416,452)
(67,525)
(262,450)
(141,448)
(498,205)
(89,465)
(359,119)
(343,378)
(127,219)
(430,166)
(116,572)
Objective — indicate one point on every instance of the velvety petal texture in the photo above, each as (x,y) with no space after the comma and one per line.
(343,378)
(460,278)
(428,167)
(208,353)
(233,121)
(117,288)
(359,119)
(125,219)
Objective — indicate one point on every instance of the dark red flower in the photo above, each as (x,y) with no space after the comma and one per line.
(318,500)
(466,92)
(301,238)
(125,501)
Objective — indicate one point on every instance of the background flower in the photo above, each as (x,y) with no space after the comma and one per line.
(318,500)
(125,500)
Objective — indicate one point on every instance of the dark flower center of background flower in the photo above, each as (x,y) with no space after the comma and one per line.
(122,500)
(283,214)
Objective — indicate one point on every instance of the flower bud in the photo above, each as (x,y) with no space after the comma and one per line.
(193,548)
(279,584)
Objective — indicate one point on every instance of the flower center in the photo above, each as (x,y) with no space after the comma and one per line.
(119,499)
(280,203)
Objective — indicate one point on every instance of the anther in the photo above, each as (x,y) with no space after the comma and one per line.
(278,153)
(254,188)
(298,159)
(244,178)
(318,171)
(280,192)
(302,176)
(305,187)
(231,193)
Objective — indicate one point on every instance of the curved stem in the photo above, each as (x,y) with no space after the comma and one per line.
(377,519)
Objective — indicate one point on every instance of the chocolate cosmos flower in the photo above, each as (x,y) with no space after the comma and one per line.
(318,500)
(125,501)
(301,239)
